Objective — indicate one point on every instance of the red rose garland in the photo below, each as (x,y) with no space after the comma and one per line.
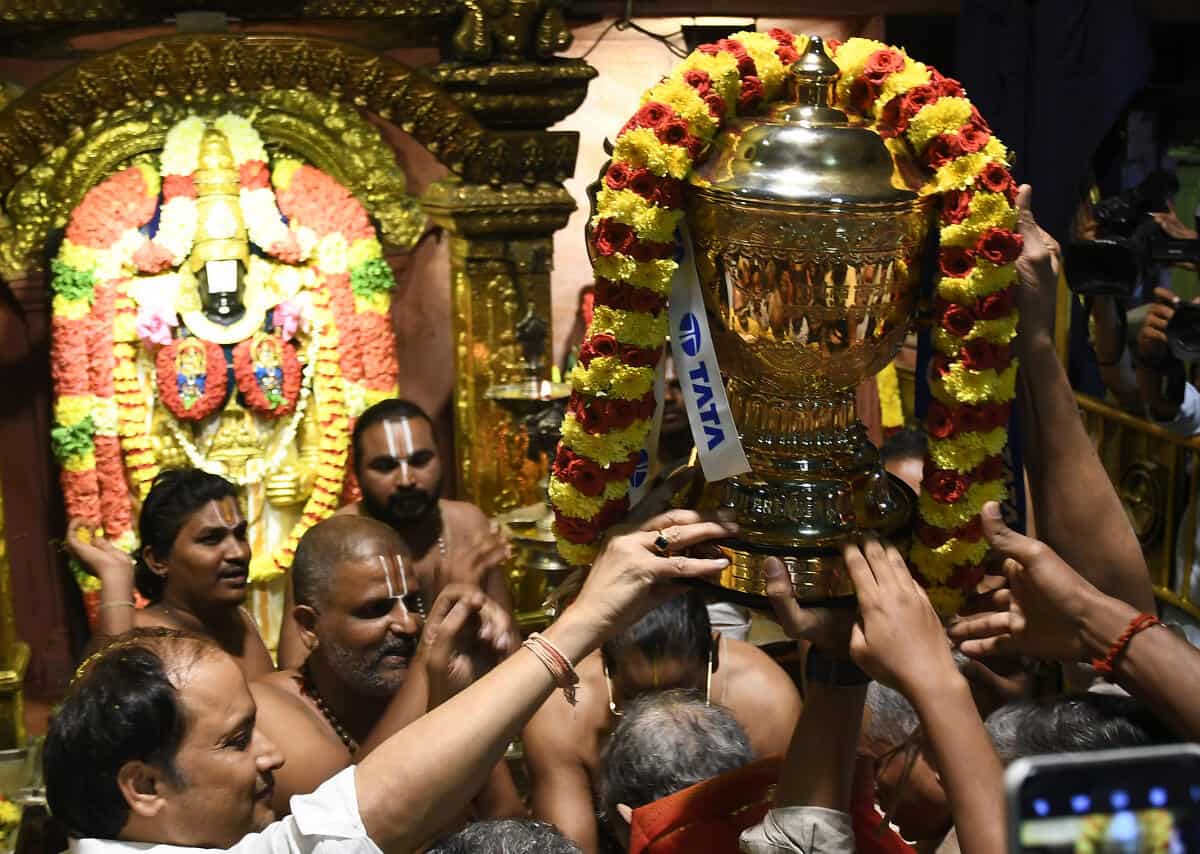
(215,381)
(245,367)
(943,144)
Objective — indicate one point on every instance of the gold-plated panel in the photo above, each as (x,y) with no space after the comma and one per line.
(815,579)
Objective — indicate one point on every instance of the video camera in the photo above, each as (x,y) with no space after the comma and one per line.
(1128,241)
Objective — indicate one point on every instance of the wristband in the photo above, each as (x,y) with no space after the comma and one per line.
(818,667)
(1104,666)
(559,666)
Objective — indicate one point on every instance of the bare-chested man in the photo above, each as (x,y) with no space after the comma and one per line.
(193,567)
(360,613)
(671,647)
(400,474)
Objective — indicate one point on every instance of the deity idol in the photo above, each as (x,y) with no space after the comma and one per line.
(235,320)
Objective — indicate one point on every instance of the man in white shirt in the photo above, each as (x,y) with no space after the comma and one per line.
(156,745)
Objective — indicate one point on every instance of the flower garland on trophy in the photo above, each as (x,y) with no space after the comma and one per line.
(924,119)
(118,290)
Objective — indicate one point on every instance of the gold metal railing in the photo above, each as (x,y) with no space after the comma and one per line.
(1156,475)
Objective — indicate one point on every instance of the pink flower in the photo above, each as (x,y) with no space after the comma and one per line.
(291,316)
(155,322)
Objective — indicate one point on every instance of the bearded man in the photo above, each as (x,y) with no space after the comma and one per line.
(360,614)
(400,473)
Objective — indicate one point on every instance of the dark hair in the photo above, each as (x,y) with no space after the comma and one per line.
(506,836)
(1073,723)
(174,495)
(385,410)
(665,742)
(908,443)
(122,707)
(678,628)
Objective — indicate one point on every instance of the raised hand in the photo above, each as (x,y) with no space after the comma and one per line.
(899,639)
(628,578)
(1152,338)
(1040,613)
(98,556)
(464,636)
(826,628)
(1038,269)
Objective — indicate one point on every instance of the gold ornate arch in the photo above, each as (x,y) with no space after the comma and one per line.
(327,133)
(116,101)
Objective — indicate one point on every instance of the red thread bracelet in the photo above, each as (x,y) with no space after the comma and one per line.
(559,666)
(1104,666)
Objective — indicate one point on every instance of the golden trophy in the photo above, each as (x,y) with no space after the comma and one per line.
(807,243)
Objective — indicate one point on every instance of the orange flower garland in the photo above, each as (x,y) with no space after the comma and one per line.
(925,120)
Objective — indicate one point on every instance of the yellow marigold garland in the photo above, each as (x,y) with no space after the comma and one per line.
(923,117)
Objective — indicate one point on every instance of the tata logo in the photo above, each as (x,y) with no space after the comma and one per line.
(643,468)
(689,334)
(701,389)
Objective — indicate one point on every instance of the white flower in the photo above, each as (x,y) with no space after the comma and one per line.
(244,141)
(177,228)
(262,216)
(104,415)
(181,150)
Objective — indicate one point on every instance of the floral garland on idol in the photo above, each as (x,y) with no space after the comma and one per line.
(102,409)
(925,119)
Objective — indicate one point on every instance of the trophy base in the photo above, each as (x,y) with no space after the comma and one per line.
(813,559)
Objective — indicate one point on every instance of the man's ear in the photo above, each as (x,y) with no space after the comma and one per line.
(306,619)
(157,566)
(144,788)
(626,813)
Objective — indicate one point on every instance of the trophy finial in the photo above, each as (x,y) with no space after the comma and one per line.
(814,76)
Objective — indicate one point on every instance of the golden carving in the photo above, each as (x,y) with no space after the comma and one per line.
(500,255)
(185,67)
(510,29)
(517,94)
(330,135)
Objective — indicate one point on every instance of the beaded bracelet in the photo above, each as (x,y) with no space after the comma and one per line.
(559,666)
(1104,666)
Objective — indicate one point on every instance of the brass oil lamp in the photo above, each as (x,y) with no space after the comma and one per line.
(807,244)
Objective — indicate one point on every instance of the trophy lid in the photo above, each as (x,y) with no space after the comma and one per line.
(805,152)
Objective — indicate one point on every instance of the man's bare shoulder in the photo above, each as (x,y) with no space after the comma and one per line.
(751,671)
(354,508)
(463,515)
(559,724)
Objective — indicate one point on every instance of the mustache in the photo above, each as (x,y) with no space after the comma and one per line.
(409,498)
(404,646)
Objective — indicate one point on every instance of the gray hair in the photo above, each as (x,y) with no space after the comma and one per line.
(1073,723)
(506,836)
(667,741)
(892,720)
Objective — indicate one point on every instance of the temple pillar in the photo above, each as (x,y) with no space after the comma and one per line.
(500,260)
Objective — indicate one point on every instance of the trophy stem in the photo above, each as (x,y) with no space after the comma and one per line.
(816,480)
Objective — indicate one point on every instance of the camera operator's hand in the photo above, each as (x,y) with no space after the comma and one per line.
(1170,223)
(1152,339)
(1038,269)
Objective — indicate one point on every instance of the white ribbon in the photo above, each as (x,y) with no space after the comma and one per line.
(639,481)
(717,441)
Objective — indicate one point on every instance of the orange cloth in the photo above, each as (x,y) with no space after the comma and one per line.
(706,818)
(868,837)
